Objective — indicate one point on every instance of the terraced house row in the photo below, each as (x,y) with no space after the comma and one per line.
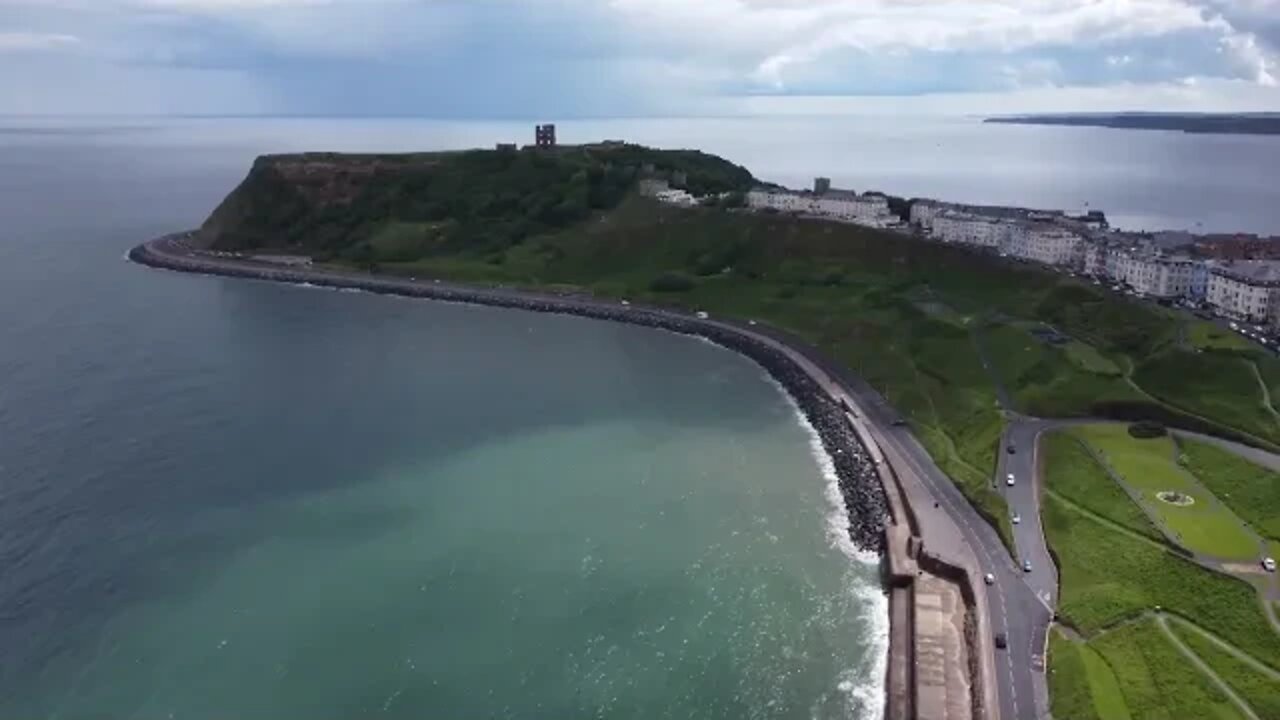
(1247,290)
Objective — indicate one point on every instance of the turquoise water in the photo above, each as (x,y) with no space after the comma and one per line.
(627,524)
(224,498)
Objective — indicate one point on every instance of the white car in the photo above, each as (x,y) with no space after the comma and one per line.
(1017,518)
(626,303)
(1008,480)
(702,315)
(989,579)
(1269,564)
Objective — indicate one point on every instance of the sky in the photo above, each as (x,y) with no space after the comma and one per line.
(623,58)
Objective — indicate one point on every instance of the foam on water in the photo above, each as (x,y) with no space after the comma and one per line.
(864,685)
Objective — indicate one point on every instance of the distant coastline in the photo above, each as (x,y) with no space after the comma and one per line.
(1198,123)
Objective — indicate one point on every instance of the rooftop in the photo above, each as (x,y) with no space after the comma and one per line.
(1260,272)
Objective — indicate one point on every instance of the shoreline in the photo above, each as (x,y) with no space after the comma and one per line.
(885,495)
(864,496)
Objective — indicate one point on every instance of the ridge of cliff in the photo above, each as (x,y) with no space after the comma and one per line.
(401,207)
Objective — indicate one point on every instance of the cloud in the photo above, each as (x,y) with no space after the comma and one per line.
(522,58)
(16,41)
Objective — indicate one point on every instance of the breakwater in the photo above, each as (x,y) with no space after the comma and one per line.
(859,482)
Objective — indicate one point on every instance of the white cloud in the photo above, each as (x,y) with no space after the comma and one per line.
(665,54)
(787,34)
(13,41)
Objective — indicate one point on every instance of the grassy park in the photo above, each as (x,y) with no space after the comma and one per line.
(1116,568)
(1252,491)
(1082,685)
(1078,479)
(1156,680)
(1257,687)
(1150,467)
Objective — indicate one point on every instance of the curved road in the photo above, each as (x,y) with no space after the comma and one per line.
(1015,599)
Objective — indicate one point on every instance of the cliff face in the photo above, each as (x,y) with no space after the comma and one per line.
(369,208)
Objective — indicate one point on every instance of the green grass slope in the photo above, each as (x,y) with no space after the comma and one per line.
(1150,467)
(1072,472)
(1108,576)
(1258,689)
(1252,491)
(1157,682)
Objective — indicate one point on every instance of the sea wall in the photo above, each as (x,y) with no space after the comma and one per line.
(860,484)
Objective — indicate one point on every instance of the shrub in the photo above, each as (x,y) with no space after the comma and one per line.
(1147,429)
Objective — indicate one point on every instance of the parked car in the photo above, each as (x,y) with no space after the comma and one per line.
(702,315)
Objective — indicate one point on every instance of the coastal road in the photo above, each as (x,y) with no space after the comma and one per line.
(1023,497)
(1017,611)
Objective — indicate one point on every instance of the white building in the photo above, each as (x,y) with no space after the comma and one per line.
(846,205)
(1162,277)
(923,213)
(836,204)
(675,196)
(1095,259)
(780,200)
(1046,243)
(1248,290)
(954,227)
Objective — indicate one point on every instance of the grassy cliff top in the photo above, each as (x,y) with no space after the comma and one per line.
(401,207)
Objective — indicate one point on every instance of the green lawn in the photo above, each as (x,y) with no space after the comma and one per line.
(1150,467)
(1252,491)
(1216,385)
(1108,576)
(1087,358)
(1051,381)
(1259,691)
(1158,682)
(1072,472)
(1081,684)
(1209,336)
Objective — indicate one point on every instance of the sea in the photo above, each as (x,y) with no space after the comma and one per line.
(227,498)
